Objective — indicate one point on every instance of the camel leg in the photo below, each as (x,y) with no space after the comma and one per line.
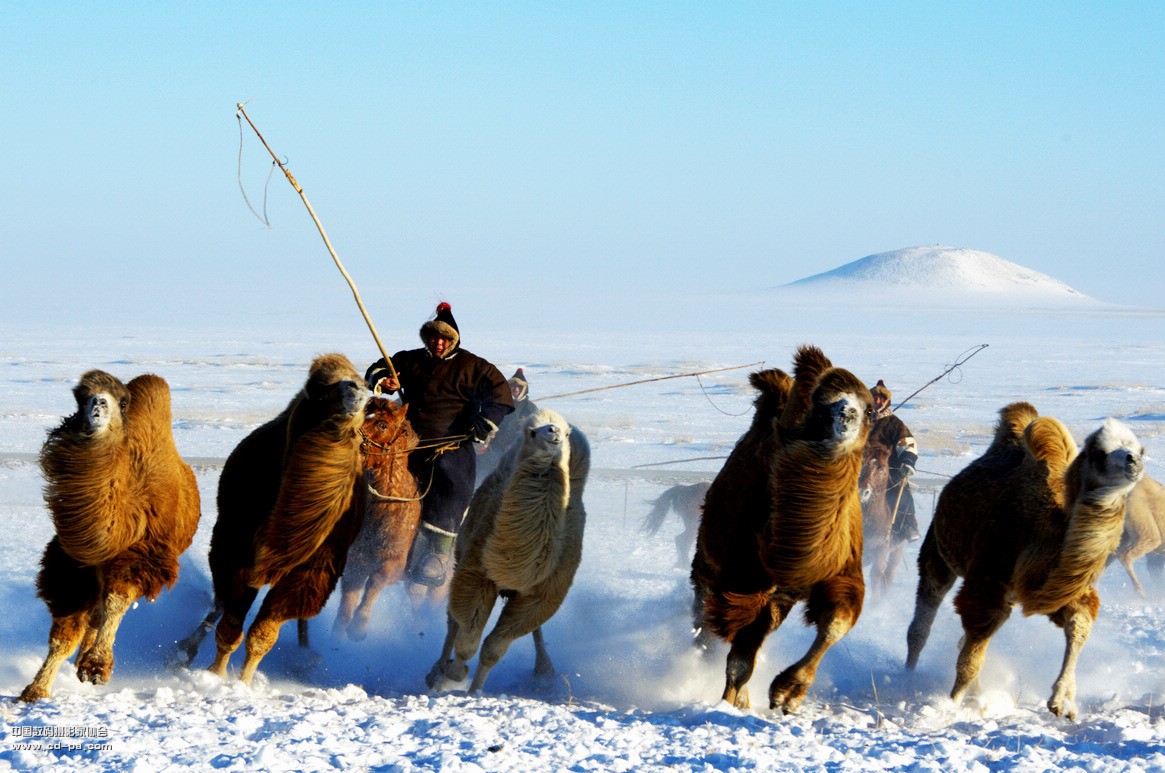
(301,626)
(228,635)
(521,615)
(261,637)
(437,672)
(935,579)
(189,646)
(95,663)
(983,608)
(543,666)
(471,601)
(1076,619)
(834,607)
(741,660)
(64,636)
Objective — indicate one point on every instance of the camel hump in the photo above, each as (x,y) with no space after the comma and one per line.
(580,461)
(809,363)
(149,397)
(1049,441)
(1013,420)
(773,381)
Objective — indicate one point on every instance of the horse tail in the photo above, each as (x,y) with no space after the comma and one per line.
(659,510)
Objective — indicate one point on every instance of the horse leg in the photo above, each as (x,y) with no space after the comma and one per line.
(1130,554)
(879,556)
(1076,618)
(350,591)
(935,579)
(897,549)
(741,660)
(378,581)
(64,636)
(834,607)
(982,605)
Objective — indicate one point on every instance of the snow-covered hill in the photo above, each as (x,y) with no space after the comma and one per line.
(938,274)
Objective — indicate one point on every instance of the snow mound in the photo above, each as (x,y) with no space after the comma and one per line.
(942,272)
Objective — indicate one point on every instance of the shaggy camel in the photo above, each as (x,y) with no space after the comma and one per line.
(522,540)
(125,507)
(686,502)
(1031,523)
(392,511)
(1144,531)
(284,514)
(883,549)
(782,523)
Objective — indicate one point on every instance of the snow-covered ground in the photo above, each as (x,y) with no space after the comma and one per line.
(631,693)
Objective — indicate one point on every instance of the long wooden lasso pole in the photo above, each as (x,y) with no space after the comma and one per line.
(646,381)
(327,242)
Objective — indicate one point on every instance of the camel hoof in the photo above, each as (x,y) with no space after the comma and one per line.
(1062,708)
(94,670)
(436,676)
(33,693)
(787,695)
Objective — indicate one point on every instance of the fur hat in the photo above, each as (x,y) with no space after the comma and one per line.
(881,389)
(442,324)
(518,381)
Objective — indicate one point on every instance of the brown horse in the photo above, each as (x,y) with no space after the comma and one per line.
(392,512)
(883,548)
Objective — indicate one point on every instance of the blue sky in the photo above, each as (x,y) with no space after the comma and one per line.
(500,149)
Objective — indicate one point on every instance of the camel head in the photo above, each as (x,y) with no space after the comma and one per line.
(546,437)
(335,388)
(1114,460)
(841,412)
(101,402)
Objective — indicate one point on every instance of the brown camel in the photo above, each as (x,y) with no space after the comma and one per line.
(392,510)
(285,515)
(685,501)
(782,523)
(1031,523)
(883,549)
(125,507)
(522,541)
